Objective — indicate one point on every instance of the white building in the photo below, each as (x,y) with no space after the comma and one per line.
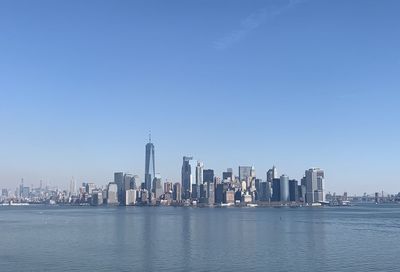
(112,193)
(130,197)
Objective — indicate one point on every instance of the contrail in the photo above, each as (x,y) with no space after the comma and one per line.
(252,22)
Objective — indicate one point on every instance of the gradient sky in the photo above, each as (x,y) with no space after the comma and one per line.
(292,83)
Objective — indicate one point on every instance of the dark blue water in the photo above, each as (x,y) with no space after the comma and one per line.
(365,238)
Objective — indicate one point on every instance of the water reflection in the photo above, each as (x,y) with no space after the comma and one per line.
(195,239)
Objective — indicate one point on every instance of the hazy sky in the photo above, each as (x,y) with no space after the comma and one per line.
(292,83)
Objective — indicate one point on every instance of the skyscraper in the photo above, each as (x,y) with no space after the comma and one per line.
(112,193)
(314,185)
(320,188)
(219,193)
(284,188)
(210,193)
(293,190)
(208,175)
(136,181)
(168,187)
(199,178)
(21,188)
(150,168)
(199,173)
(245,172)
(303,189)
(276,190)
(263,193)
(157,187)
(72,187)
(177,193)
(119,181)
(228,175)
(187,177)
(272,174)
(128,182)
(130,197)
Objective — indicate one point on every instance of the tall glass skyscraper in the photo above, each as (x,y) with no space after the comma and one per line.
(199,173)
(150,168)
(187,177)
(199,178)
(284,183)
(119,180)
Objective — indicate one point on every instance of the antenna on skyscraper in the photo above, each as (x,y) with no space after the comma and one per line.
(149,136)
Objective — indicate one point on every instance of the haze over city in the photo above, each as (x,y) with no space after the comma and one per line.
(257,83)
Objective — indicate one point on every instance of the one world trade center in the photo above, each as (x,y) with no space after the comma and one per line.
(150,170)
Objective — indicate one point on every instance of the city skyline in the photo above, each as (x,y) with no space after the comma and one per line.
(257,83)
(198,187)
(194,164)
(193,172)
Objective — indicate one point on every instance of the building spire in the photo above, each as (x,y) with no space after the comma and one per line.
(150,136)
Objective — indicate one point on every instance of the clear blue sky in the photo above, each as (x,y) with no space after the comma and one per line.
(292,83)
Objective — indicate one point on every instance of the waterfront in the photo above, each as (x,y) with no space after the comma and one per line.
(43,238)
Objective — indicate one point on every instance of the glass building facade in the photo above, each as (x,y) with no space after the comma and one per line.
(150,168)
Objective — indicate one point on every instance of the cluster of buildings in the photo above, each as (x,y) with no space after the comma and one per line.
(201,186)
(30,194)
(198,186)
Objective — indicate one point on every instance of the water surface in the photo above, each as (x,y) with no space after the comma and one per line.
(361,238)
